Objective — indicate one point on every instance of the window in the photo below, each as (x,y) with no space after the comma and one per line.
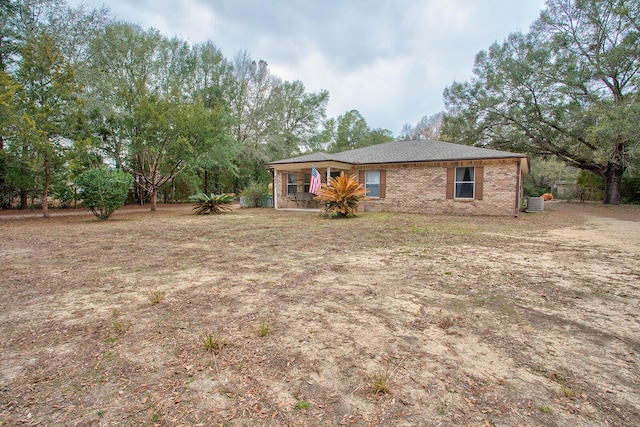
(464,182)
(372,183)
(307,181)
(292,184)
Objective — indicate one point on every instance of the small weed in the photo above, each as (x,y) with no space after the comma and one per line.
(213,343)
(302,404)
(380,383)
(445,323)
(263,329)
(539,369)
(155,418)
(546,410)
(156,297)
(108,356)
(100,413)
(568,392)
(110,340)
(119,326)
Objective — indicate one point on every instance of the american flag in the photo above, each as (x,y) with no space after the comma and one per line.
(314,185)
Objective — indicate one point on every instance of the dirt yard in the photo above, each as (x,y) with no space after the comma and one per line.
(273,318)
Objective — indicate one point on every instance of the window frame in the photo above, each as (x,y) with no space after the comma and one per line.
(459,185)
(368,184)
(292,184)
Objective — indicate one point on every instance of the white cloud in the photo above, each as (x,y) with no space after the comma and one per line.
(389,60)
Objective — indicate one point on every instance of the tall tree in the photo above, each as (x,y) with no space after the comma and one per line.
(429,127)
(567,88)
(124,95)
(8,123)
(158,150)
(326,137)
(352,131)
(253,113)
(215,149)
(46,98)
(299,115)
(8,33)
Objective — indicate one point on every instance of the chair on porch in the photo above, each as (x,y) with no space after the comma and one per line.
(304,198)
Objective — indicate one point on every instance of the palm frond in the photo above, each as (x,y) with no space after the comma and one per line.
(341,196)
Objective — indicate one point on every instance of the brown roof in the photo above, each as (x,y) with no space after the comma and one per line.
(422,150)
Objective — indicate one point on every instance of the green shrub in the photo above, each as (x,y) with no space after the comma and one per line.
(590,186)
(211,204)
(253,194)
(65,194)
(104,190)
(630,189)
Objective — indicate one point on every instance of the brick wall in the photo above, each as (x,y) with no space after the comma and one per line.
(421,188)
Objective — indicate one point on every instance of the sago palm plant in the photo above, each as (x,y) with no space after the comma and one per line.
(341,196)
(211,204)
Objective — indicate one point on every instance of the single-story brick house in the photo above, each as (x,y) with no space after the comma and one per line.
(421,176)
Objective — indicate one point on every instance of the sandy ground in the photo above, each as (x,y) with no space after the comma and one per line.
(391,320)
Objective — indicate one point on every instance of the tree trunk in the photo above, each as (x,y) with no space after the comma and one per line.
(45,191)
(612,183)
(154,200)
(24,199)
(206,182)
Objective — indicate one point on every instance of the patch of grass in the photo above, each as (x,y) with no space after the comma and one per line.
(302,404)
(478,302)
(539,369)
(380,383)
(119,326)
(213,343)
(545,410)
(156,297)
(100,413)
(263,329)
(110,340)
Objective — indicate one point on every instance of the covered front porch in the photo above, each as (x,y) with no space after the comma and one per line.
(291,183)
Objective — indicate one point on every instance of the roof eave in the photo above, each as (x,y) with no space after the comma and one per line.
(307,165)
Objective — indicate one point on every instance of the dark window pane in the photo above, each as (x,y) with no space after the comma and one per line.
(464,190)
(292,184)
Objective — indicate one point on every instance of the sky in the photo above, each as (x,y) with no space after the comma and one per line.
(389,59)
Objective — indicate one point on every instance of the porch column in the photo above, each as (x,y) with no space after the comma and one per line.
(274,189)
(328,174)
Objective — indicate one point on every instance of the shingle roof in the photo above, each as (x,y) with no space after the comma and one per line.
(422,150)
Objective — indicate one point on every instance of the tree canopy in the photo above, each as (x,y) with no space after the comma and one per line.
(567,88)
(79,89)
